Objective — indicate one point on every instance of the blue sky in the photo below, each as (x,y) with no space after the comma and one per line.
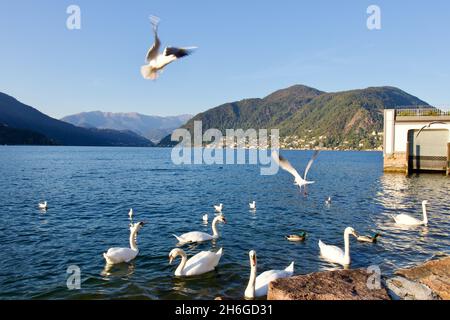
(246,49)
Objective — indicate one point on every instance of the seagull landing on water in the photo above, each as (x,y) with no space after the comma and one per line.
(285,165)
(155,60)
(43,205)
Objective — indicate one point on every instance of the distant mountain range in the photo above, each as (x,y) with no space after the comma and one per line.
(345,118)
(153,128)
(22,124)
(304,115)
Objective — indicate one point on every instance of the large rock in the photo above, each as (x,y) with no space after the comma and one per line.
(434,274)
(403,289)
(327,285)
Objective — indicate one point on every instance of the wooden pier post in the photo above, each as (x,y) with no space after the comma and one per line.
(409,164)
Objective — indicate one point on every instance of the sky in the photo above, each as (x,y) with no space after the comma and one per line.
(246,49)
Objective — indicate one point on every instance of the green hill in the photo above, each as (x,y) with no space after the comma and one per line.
(308,117)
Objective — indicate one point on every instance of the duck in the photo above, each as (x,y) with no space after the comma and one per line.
(369,239)
(297,237)
(218,208)
(252,205)
(202,262)
(120,255)
(43,205)
(335,254)
(328,201)
(407,220)
(197,236)
(205,218)
(258,286)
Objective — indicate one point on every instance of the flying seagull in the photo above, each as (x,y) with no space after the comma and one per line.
(428,126)
(156,61)
(285,165)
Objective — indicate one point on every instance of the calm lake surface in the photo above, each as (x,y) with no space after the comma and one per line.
(90,191)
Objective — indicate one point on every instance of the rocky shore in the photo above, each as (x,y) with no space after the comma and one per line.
(428,281)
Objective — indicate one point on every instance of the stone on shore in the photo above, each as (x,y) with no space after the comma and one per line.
(328,285)
(434,274)
(403,289)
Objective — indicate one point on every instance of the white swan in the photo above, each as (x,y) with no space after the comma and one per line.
(202,262)
(119,255)
(43,205)
(335,254)
(258,286)
(205,218)
(252,205)
(218,208)
(197,236)
(406,220)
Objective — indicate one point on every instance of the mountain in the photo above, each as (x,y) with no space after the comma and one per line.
(12,136)
(153,128)
(16,115)
(308,117)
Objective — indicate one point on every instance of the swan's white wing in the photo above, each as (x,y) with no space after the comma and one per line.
(332,253)
(263,280)
(314,157)
(202,262)
(118,255)
(194,236)
(285,165)
(406,219)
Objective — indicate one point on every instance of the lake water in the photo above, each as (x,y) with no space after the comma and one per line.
(90,191)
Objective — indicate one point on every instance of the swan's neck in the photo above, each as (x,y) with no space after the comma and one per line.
(133,244)
(214,227)
(182,264)
(250,291)
(425,216)
(347,248)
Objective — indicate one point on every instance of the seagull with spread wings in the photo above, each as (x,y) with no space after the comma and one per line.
(156,61)
(428,126)
(285,165)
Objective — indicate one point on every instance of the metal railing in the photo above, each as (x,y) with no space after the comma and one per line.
(421,112)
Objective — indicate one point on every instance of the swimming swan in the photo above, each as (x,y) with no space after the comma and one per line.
(197,236)
(335,254)
(202,262)
(258,286)
(406,220)
(119,255)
